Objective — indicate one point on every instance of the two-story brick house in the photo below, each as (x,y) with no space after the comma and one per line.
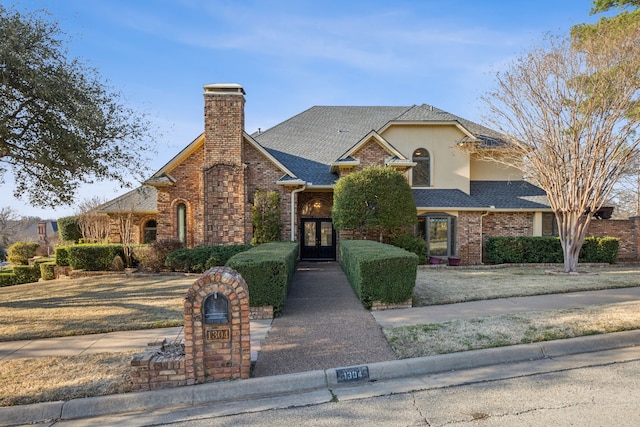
(203,195)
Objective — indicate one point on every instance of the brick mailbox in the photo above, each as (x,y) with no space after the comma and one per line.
(217,340)
(217,337)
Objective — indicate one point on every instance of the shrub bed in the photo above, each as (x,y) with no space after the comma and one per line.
(268,270)
(93,257)
(524,250)
(378,272)
(152,257)
(198,260)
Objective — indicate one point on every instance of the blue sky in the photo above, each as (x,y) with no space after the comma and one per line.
(292,55)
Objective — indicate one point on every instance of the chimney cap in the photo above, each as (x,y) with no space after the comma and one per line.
(224,88)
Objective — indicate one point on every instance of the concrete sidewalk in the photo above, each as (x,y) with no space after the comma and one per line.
(112,342)
(496,307)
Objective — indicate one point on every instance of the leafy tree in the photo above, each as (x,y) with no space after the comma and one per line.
(375,198)
(265,216)
(569,113)
(60,125)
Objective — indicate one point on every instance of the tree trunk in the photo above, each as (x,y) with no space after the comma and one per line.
(572,229)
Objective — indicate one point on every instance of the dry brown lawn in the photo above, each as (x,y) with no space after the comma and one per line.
(435,286)
(24,381)
(92,305)
(511,329)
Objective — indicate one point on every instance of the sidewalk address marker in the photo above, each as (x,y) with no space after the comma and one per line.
(355,373)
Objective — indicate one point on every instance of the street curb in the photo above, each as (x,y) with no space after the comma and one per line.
(255,388)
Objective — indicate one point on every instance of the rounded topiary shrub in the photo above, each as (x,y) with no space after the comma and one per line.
(20,252)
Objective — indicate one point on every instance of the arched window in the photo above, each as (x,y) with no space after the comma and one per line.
(421,174)
(150,231)
(182,222)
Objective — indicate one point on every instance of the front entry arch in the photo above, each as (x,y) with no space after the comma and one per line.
(318,239)
(317,236)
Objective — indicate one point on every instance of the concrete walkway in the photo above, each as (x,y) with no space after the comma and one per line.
(323,325)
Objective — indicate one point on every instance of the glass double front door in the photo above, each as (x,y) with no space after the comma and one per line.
(318,239)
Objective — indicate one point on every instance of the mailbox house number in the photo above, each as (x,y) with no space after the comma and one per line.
(218,334)
(356,373)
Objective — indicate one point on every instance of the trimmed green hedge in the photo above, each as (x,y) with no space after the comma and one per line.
(93,257)
(7,279)
(26,273)
(62,255)
(524,250)
(198,260)
(48,270)
(378,272)
(268,270)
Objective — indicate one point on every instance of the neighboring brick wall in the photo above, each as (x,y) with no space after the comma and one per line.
(468,239)
(624,229)
(508,224)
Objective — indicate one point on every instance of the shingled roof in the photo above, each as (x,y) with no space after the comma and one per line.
(485,195)
(143,199)
(309,142)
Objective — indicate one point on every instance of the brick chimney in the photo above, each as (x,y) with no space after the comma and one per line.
(225,195)
(223,124)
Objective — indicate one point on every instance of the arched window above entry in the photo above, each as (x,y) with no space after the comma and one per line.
(421,173)
(316,208)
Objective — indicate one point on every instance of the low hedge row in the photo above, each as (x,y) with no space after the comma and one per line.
(523,250)
(378,272)
(24,273)
(268,270)
(93,257)
(198,260)
(7,279)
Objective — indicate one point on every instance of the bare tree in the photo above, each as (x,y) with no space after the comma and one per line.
(94,226)
(8,228)
(124,219)
(570,114)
